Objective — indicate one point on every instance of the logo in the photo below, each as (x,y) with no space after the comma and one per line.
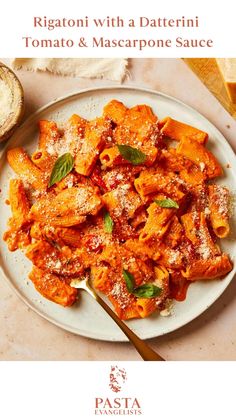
(118,377)
(108,405)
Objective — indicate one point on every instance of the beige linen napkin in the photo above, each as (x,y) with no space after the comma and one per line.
(102,68)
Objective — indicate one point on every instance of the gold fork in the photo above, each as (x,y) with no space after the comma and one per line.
(147,353)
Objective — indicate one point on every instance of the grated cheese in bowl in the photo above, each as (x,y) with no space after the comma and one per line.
(5,101)
(11,102)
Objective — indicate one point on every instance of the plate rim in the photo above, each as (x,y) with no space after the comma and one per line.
(48,317)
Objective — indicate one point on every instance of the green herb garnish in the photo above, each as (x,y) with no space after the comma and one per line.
(147,291)
(143,291)
(131,154)
(61,168)
(129,279)
(166,203)
(108,222)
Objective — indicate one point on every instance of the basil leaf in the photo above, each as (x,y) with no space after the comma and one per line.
(144,291)
(147,291)
(166,203)
(108,222)
(129,279)
(133,155)
(61,168)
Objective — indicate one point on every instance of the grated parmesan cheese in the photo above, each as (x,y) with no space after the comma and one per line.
(168,310)
(202,166)
(222,200)
(203,249)
(5,101)
(66,144)
(207,211)
(174,256)
(121,195)
(82,196)
(118,293)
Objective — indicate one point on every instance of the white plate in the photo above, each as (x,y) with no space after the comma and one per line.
(87,318)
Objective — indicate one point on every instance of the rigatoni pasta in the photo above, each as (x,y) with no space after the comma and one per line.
(201,156)
(177,130)
(22,165)
(115,200)
(219,214)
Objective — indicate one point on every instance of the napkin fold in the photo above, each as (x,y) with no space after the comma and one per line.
(102,68)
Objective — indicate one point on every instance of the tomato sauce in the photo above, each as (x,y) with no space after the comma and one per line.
(178,290)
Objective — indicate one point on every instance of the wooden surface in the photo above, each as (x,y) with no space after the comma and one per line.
(207,70)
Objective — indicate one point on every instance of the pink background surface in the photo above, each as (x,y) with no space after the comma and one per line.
(212,336)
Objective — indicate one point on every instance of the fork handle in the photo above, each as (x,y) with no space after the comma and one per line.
(147,353)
